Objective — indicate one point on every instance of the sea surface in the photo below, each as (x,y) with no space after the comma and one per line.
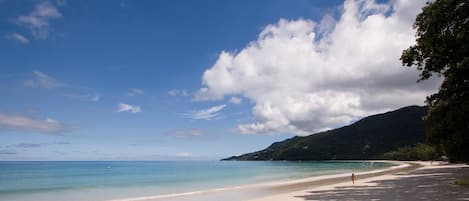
(105,180)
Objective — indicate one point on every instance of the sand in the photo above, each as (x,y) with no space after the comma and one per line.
(406,181)
(419,181)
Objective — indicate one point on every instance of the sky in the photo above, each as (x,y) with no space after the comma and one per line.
(195,80)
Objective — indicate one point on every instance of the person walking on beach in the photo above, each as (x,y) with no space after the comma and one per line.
(353,178)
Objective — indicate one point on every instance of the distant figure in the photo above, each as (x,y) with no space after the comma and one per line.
(353,178)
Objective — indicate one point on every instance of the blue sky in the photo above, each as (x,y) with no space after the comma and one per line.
(171,80)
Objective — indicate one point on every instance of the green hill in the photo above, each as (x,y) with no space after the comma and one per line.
(368,138)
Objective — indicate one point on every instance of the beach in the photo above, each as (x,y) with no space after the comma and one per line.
(374,180)
(302,189)
(163,180)
(418,181)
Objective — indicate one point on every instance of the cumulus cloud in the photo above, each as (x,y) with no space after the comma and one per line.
(187,133)
(305,76)
(135,92)
(38,20)
(123,107)
(25,123)
(17,37)
(206,114)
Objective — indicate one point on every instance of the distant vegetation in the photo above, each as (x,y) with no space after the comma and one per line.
(368,138)
(421,152)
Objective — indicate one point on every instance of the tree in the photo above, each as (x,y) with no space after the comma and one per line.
(442,49)
(418,152)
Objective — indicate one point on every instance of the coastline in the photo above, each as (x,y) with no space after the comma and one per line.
(419,181)
(276,188)
(317,181)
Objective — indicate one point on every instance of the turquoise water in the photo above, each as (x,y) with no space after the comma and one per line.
(88,180)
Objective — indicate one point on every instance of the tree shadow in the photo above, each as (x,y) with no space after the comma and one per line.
(422,184)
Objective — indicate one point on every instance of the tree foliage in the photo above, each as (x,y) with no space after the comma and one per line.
(421,152)
(442,49)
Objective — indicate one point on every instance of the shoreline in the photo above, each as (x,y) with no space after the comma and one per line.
(422,181)
(275,188)
(343,177)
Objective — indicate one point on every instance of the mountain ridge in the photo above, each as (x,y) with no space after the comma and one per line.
(368,138)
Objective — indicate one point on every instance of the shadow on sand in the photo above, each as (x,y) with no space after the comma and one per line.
(422,184)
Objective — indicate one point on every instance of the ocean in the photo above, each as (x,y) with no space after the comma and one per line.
(107,180)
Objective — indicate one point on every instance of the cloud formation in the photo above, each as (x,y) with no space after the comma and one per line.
(124,107)
(187,133)
(25,123)
(82,94)
(17,37)
(205,114)
(42,80)
(306,76)
(38,20)
(236,100)
(135,92)
(177,92)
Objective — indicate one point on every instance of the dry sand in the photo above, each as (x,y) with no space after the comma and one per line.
(421,181)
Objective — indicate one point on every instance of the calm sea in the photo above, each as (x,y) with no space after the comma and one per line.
(91,180)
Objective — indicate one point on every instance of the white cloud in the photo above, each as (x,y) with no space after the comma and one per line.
(38,21)
(177,92)
(206,114)
(17,37)
(187,133)
(306,77)
(236,100)
(24,123)
(82,94)
(173,92)
(43,80)
(135,92)
(123,107)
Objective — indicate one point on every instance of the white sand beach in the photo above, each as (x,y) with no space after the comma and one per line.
(426,182)
(406,181)
(259,190)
